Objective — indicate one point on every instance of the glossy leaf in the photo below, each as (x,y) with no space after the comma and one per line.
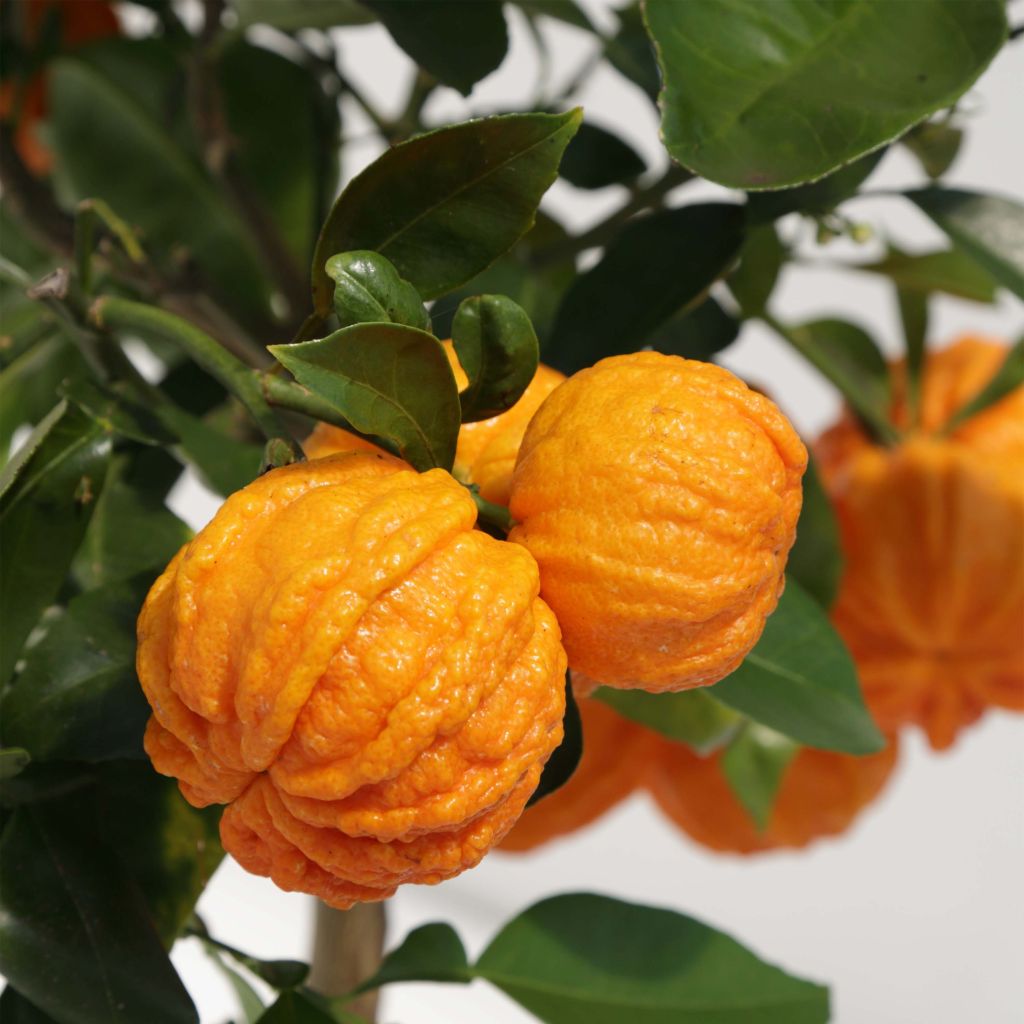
(630,51)
(368,289)
(566,756)
(597,158)
(432,952)
(657,266)
(935,144)
(290,15)
(816,560)
(498,352)
(767,94)
(692,717)
(76,938)
(581,957)
(988,228)
(44,513)
(800,680)
(761,259)
(697,333)
(754,764)
(458,43)
(944,270)
(444,205)
(1008,377)
(386,380)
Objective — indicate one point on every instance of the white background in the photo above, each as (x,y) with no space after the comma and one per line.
(917,914)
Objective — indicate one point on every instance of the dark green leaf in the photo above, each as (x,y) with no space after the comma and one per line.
(76,936)
(935,144)
(567,754)
(249,1001)
(386,380)
(945,270)
(16,1009)
(586,958)
(307,1007)
(432,952)
(692,717)
(45,781)
(290,15)
(754,764)
(13,761)
(800,680)
(761,259)
(989,229)
(816,560)
(445,205)
(44,513)
(1009,377)
(657,266)
(563,10)
(696,333)
(458,43)
(116,413)
(597,158)
(630,52)
(368,289)
(767,94)
(498,352)
(913,306)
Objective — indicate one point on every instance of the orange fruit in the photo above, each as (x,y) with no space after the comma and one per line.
(487,449)
(371,685)
(820,795)
(931,603)
(659,496)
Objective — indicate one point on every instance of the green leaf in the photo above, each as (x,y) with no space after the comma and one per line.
(988,228)
(761,259)
(800,680)
(432,952)
(657,266)
(697,333)
(16,1009)
(48,499)
(290,15)
(78,698)
(566,756)
(458,43)
(445,205)
(945,270)
(630,52)
(567,11)
(76,938)
(386,380)
(767,94)
(115,412)
(13,761)
(597,158)
(816,559)
(308,1007)
(1008,377)
(692,717)
(935,144)
(754,764)
(913,306)
(581,957)
(249,1000)
(44,781)
(368,289)
(498,352)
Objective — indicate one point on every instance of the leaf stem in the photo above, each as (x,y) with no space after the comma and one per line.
(493,515)
(88,214)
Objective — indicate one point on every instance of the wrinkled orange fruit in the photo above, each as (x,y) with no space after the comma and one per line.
(487,449)
(931,603)
(613,765)
(659,496)
(820,795)
(371,685)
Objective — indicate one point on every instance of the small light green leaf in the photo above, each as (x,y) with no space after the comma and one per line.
(368,289)
(988,228)
(770,93)
(945,270)
(800,680)
(432,952)
(498,351)
(566,756)
(754,764)
(761,259)
(816,560)
(597,158)
(13,760)
(1009,377)
(936,145)
(443,206)
(387,380)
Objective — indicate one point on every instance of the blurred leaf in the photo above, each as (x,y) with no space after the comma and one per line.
(566,756)
(386,380)
(1009,377)
(913,306)
(800,680)
(596,158)
(761,259)
(657,266)
(567,11)
(498,352)
(290,15)
(458,43)
(692,717)
(280,974)
(44,781)
(764,95)
(630,52)
(432,952)
(945,270)
(989,229)
(16,1009)
(368,289)
(77,940)
(115,412)
(754,764)
(935,144)
(443,206)
(697,333)
(13,761)
(48,497)
(249,1000)
(816,560)
(581,957)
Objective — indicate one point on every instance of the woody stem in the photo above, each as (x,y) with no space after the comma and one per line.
(347,949)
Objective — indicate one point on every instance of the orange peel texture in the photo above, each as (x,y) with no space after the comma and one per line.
(659,496)
(820,795)
(371,685)
(931,603)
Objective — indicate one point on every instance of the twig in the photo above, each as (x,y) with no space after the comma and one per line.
(347,948)
(408,122)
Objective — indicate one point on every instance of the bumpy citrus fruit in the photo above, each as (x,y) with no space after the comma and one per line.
(820,795)
(487,449)
(932,599)
(370,684)
(613,765)
(660,497)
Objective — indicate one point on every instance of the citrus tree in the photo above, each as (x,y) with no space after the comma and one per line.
(501,543)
